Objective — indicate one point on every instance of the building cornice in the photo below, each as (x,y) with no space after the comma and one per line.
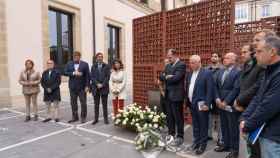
(138,6)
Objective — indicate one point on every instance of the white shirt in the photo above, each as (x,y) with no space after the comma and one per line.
(76,66)
(192,84)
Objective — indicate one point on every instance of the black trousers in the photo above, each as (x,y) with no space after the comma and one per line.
(163,104)
(82,95)
(175,118)
(104,99)
(200,120)
(230,129)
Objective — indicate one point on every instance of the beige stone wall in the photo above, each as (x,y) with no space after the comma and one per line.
(4,77)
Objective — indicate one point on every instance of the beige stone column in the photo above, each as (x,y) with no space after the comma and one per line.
(5,99)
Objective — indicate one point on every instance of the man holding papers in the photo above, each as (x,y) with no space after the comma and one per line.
(265,107)
(199,86)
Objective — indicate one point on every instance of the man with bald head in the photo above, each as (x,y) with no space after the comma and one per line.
(226,91)
(199,86)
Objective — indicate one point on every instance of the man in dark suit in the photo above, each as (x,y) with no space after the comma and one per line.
(199,86)
(226,91)
(174,77)
(100,76)
(50,81)
(79,77)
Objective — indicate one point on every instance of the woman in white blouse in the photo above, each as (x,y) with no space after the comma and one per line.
(117,86)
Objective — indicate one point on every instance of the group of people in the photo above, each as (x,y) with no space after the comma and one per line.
(235,97)
(100,81)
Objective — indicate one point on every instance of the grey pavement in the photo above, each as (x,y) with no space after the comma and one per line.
(62,140)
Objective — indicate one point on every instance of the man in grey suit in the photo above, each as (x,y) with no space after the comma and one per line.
(174,76)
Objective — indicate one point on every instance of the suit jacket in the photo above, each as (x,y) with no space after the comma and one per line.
(30,82)
(102,77)
(53,82)
(229,90)
(175,90)
(78,83)
(203,88)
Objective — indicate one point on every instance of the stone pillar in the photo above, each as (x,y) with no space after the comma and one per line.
(5,98)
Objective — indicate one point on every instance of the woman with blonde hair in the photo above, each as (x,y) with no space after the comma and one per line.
(30,81)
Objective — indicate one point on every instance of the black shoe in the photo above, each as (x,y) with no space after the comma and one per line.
(73,120)
(35,118)
(179,141)
(83,120)
(94,122)
(233,154)
(200,150)
(106,122)
(221,149)
(47,120)
(56,120)
(28,118)
(193,147)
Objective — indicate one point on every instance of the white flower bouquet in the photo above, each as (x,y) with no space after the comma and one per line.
(139,119)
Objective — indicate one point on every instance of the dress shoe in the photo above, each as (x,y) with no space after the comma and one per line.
(200,150)
(210,138)
(35,118)
(178,142)
(232,154)
(193,147)
(83,120)
(47,120)
(28,118)
(106,122)
(73,120)
(221,149)
(56,120)
(94,122)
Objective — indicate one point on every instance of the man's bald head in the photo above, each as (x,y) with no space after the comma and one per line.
(195,62)
(230,59)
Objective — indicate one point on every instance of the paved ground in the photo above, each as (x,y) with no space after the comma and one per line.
(62,140)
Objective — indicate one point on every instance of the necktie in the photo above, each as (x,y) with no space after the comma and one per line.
(99,67)
(225,75)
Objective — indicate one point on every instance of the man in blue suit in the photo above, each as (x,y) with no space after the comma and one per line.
(199,86)
(79,78)
(226,91)
(100,76)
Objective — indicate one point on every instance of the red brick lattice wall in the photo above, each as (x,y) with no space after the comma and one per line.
(201,28)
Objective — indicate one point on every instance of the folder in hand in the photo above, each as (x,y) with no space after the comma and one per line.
(253,136)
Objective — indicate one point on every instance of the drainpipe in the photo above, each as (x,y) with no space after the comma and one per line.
(93,31)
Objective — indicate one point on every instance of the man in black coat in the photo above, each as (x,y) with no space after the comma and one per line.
(100,76)
(50,82)
(174,78)
(79,78)
(250,75)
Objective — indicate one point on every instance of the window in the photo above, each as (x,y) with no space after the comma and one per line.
(114,43)
(241,13)
(61,37)
(265,10)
